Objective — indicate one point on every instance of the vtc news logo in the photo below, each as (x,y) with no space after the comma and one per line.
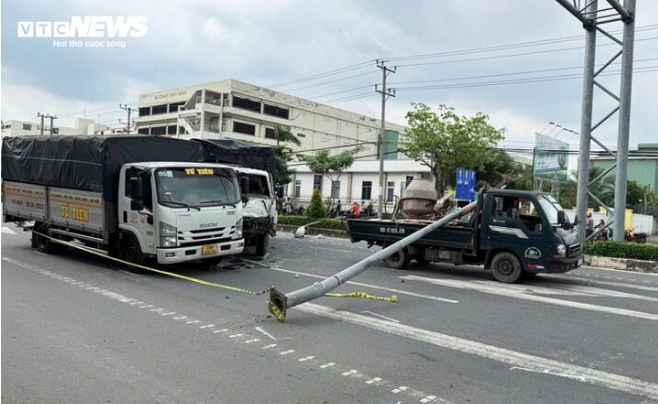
(85,27)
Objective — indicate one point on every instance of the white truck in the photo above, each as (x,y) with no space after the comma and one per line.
(257,164)
(136,197)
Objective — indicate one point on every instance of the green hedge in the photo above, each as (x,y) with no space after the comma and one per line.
(636,251)
(333,224)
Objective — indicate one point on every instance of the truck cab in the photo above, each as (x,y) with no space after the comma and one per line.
(177,212)
(531,226)
(260,215)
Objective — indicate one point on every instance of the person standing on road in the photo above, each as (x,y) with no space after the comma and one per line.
(590,224)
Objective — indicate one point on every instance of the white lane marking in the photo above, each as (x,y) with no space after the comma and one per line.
(380,316)
(236,335)
(617,284)
(350,372)
(327,365)
(269,346)
(506,356)
(308,358)
(168,313)
(180,317)
(365,285)
(288,352)
(7,230)
(203,327)
(428,399)
(260,329)
(193,322)
(399,389)
(517,294)
(222,330)
(550,372)
(374,380)
(250,341)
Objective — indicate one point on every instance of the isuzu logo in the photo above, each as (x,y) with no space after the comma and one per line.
(207,225)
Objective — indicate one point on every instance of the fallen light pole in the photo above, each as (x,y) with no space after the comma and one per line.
(279,302)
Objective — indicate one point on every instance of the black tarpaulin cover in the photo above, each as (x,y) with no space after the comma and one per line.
(229,151)
(89,163)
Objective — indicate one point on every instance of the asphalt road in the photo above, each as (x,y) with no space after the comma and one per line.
(77,329)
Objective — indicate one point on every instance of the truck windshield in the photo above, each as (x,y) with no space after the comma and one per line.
(258,186)
(550,207)
(196,187)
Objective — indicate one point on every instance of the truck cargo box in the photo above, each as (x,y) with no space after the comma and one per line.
(228,151)
(87,163)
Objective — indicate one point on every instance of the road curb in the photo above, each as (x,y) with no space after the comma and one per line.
(623,264)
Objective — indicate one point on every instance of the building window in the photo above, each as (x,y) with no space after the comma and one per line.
(276,111)
(403,186)
(366,190)
(390,191)
(143,131)
(145,111)
(269,133)
(27,126)
(159,109)
(335,189)
(159,130)
(171,130)
(173,107)
(298,188)
(317,182)
(245,103)
(245,128)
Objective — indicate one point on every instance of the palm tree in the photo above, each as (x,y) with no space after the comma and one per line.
(284,134)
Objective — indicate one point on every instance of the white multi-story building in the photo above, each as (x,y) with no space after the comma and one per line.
(83,126)
(237,110)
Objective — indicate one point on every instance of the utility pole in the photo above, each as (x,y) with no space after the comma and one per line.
(40,115)
(385,94)
(52,128)
(129,110)
(51,117)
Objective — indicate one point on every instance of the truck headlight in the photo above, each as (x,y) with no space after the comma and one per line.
(238,229)
(561,250)
(168,235)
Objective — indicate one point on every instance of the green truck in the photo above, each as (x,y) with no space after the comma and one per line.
(514,233)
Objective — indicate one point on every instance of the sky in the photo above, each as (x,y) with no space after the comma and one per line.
(520,62)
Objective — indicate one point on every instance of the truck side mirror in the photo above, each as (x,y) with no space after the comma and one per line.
(561,217)
(136,193)
(244,188)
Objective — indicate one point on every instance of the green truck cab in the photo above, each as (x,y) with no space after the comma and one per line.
(513,233)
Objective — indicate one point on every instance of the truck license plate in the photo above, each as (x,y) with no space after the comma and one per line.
(580,261)
(209,249)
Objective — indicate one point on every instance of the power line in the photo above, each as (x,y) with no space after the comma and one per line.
(505,47)
(323,75)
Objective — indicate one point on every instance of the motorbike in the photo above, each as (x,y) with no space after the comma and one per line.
(603,235)
(632,237)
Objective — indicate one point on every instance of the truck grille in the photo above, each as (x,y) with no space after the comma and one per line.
(205,236)
(574,249)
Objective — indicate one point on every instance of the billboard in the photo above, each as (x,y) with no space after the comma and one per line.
(550,155)
(465,185)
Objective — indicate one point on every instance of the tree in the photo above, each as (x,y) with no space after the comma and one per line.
(315,208)
(283,156)
(444,141)
(332,167)
(284,134)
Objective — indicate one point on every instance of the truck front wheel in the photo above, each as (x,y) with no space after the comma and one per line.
(399,259)
(261,245)
(506,268)
(131,252)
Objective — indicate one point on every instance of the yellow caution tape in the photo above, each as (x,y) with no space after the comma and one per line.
(273,309)
(363,295)
(144,267)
